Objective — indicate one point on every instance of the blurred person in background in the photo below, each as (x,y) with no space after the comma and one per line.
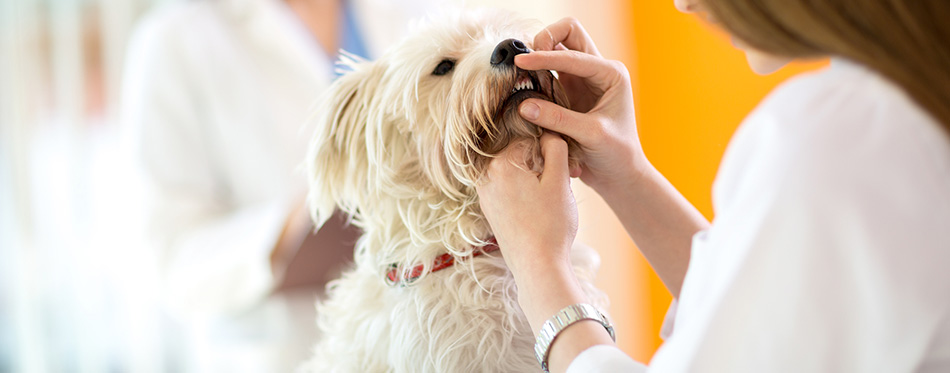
(75,214)
(218,92)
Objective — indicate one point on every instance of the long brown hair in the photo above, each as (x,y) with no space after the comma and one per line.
(907,41)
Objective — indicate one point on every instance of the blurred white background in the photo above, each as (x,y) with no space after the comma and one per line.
(77,284)
(76,292)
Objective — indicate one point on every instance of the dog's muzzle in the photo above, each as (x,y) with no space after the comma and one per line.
(505,52)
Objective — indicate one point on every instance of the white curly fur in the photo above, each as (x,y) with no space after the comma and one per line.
(400,150)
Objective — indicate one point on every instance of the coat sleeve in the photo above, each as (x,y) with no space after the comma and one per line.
(604,359)
(214,256)
(829,248)
(813,264)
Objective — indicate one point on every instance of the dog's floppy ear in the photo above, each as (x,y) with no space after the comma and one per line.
(337,162)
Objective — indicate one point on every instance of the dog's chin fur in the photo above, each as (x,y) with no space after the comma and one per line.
(401,150)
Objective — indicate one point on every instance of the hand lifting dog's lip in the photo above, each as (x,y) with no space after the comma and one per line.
(529,84)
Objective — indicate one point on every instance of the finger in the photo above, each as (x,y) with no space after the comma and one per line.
(554,151)
(569,32)
(576,171)
(685,6)
(509,163)
(559,119)
(600,73)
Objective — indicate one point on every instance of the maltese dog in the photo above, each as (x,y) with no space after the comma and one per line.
(400,144)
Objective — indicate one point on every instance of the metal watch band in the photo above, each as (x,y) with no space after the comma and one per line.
(560,321)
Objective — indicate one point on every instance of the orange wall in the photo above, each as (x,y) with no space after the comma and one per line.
(692,89)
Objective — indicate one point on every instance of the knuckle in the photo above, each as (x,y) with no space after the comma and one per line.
(573,21)
(619,71)
(599,128)
(557,119)
(551,139)
(496,165)
(619,67)
(576,55)
(576,58)
(544,40)
(559,145)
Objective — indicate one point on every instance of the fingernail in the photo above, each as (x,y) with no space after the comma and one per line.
(530,111)
(520,57)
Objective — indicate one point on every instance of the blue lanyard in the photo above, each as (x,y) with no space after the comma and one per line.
(351,39)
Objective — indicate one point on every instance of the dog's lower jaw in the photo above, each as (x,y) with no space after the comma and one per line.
(446,322)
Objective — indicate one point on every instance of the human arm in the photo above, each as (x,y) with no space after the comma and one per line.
(528,217)
(212,252)
(296,228)
(815,261)
(540,260)
(659,219)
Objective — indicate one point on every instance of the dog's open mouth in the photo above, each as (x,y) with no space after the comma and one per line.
(528,84)
(490,136)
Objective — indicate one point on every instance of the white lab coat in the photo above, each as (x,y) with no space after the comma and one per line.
(831,243)
(218,93)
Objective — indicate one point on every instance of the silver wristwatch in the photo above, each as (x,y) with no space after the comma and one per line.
(561,320)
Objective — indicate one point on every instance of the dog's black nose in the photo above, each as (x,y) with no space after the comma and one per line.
(505,52)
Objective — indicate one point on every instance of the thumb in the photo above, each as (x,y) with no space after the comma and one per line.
(554,151)
(554,117)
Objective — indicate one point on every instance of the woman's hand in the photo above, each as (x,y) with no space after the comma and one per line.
(603,121)
(533,217)
(601,118)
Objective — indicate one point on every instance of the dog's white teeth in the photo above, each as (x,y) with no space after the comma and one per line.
(523,85)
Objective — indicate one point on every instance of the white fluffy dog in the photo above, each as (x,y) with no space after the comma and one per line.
(400,145)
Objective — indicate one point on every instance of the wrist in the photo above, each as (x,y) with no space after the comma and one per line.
(532,257)
(630,183)
(543,293)
(630,171)
(571,331)
(539,265)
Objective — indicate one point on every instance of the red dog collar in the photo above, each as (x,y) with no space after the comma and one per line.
(442,262)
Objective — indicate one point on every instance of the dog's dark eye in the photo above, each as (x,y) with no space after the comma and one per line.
(444,67)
